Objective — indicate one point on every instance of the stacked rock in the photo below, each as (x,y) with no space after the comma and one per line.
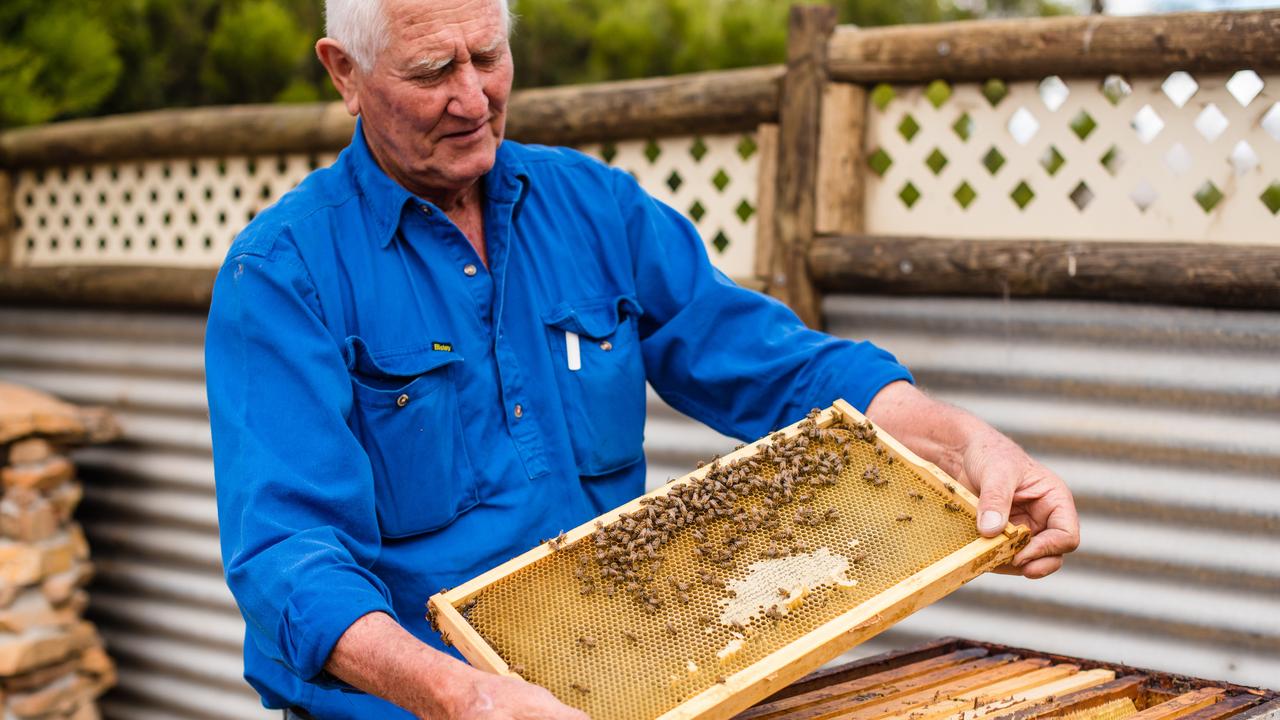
(52,662)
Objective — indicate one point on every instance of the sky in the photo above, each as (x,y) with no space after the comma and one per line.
(1139,7)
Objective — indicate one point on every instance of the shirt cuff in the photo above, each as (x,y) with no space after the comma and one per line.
(321,614)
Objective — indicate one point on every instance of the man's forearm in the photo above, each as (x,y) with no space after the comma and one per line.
(379,656)
(934,430)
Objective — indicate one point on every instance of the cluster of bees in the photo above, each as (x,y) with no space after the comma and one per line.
(627,555)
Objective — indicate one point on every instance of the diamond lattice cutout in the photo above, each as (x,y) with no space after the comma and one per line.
(882,95)
(1022,195)
(1023,126)
(747,147)
(995,91)
(1179,159)
(1083,125)
(744,211)
(652,151)
(908,128)
(1052,160)
(879,162)
(720,180)
(909,194)
(698,150)
(1081,196)
(720,241)
(965,195)
(1271,197)
(963,127)
(938,92)
(1144,195)
(697,211)
(993,161)
(1053,92)
(1211,123)
(936,161)
(1147,123)
(674,181)
(1112,160)
(1244,159)
(1208,196)
(1244,86)
(1115,89)
(1179,87)
(1271,122)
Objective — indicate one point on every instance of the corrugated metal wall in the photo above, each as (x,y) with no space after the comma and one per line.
(1165,422)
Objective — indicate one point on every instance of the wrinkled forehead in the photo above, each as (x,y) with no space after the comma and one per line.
(438,29)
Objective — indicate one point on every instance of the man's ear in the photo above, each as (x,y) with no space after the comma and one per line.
(342,71)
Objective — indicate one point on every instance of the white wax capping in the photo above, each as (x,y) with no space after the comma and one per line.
(798,575)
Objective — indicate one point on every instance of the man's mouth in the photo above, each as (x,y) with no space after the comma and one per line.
(466,134)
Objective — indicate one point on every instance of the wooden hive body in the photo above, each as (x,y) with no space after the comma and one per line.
(849,545)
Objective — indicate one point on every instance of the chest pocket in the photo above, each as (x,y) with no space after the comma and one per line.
(405,413)
(600,372)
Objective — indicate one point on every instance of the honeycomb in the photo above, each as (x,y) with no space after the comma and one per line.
(748,558)
(1118,709)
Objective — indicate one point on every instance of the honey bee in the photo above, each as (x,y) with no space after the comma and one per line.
(858,557)
(904,518)
(720,679)
(517,669)
(783,592)
(953,507)
(736,625)
(587,641)
(579,687)
(630,636)
(916,495)
(950,488)
(671,628)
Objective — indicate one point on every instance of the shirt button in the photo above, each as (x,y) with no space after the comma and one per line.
(605,345)
(426,210)
(469,270)
(402,401)
(519,411)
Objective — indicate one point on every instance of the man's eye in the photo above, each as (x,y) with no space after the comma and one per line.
(486,60)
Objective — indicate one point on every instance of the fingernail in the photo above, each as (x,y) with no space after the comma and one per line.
(990,521)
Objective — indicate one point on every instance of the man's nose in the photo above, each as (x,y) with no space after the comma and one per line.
(468,99)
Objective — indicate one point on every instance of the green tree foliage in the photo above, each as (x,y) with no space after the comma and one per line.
(64,58)
(56,58)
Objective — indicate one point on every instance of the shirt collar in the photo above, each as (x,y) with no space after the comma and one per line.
(506,182)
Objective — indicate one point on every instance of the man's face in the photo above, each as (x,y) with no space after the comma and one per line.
(434,104)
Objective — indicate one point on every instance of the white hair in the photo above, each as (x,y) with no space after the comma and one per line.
(360,26)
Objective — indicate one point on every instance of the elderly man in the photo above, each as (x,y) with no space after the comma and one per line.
(434,353)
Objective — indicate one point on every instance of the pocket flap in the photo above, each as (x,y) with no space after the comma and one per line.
(397,363)
(595,318)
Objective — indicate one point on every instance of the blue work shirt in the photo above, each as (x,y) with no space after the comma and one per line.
(391,417)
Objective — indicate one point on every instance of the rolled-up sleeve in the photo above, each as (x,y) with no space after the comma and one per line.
(730,357)
(294,487)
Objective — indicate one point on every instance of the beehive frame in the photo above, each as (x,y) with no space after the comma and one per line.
(776,670)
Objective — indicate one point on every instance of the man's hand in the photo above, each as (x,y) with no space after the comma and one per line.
(1010,485)
(378,656)
(495,697)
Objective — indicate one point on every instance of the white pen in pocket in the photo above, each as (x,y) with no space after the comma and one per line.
(573,350)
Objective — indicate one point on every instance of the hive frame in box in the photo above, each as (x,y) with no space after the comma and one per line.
(803,655)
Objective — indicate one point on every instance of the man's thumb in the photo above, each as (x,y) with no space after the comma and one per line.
(993,510)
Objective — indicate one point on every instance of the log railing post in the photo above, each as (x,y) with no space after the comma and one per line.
(6,218)
(800,112)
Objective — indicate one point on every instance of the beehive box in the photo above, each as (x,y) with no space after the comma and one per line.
(959,679)
(719,588)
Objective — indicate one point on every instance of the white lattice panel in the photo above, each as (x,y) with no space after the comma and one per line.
(185,212)
(1178,158)
(174,212)
(711,179)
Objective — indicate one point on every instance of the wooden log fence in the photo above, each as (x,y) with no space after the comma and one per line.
(809,118)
